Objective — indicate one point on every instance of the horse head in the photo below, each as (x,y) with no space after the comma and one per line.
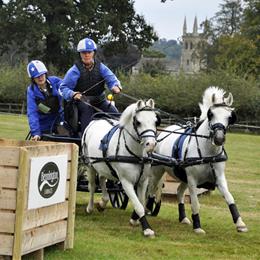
(219,113)
(140,121)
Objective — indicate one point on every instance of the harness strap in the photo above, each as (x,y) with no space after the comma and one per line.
(104,146)
(120,158)
(198,147)
(221,157)
(128,149)
(177,147)
(137,157)
(187,148)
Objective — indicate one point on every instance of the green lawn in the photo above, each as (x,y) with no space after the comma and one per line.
(13,126)
(108,235)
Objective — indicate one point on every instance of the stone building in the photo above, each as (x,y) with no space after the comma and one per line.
(190,59)
(189,62)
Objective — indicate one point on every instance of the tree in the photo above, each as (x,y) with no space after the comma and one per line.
(237,55)
(50,30)
(123,61)
(206,47)
(170,48)
(231,40)
(227,20)
(250,27)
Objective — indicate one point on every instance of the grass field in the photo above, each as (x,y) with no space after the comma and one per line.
(108,235)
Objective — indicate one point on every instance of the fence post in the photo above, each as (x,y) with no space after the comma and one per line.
(22,110)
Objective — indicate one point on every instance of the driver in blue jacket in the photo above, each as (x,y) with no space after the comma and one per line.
(44,102)
(85,81)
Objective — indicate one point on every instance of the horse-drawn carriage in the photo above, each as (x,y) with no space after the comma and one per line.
(129,157)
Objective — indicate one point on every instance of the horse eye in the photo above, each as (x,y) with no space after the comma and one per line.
(137,123)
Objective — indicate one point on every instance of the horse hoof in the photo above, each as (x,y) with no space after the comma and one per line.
(242,229)
(186,221)
(199,231)
(88,210)
(134,222)
(149,233)
(99,207)
(241,226)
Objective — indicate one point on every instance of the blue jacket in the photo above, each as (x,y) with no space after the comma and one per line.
(38,121)
(71,78)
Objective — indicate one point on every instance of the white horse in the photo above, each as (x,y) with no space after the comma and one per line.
(199,153)
(122,158)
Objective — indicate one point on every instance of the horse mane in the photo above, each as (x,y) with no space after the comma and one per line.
(212,96)
(129,112)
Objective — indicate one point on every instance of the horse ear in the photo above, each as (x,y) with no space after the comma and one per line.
(229,100)
(209,114)
(233,118)
(150,103)
(140,104)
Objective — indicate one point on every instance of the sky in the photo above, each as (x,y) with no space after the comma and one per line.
(167,18)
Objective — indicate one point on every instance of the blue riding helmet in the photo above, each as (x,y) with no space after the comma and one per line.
(86,44)
(35,69)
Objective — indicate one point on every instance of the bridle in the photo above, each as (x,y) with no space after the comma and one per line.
(144,134)
(213,128)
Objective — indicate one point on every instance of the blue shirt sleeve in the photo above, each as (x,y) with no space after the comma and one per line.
(32,113)
(110,78)
(69,82)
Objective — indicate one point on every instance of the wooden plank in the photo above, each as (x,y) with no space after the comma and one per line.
(68,170)
(67,194)
(7,199)
(72,196)
(41,237)
(7,220)
(6,244)
(8,177)
(45,215)
(9,156)
(22,190)
(49,150)
(21,143)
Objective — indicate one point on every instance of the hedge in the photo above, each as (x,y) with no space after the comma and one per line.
(176,94)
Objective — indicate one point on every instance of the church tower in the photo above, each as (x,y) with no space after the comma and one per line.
(190,62)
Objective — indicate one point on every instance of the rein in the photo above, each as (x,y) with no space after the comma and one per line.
(158,159)
(177,132)
(99,110)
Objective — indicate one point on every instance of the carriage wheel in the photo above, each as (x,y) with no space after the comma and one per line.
(153,207)
(118,199)
(117,195)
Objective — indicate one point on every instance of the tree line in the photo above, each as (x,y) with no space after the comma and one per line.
(50,30)
(232,39)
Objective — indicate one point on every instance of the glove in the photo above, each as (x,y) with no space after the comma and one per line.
(36,138)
